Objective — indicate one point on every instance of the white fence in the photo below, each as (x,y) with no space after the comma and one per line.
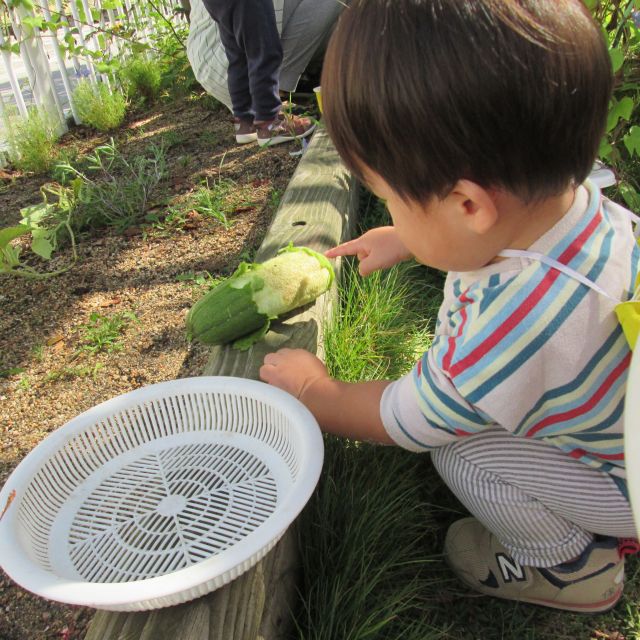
(47,46)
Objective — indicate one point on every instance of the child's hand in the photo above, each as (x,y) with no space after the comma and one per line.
(293,370)
(379,248)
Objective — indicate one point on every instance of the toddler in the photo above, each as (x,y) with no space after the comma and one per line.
(478,123)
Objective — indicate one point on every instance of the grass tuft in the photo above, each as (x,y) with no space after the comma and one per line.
(98,106)
(142,79)
(32,140)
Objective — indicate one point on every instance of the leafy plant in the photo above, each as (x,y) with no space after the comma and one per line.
(113,190)
(98,106)
(32,140)
(13,371)
(80,371)
(141,78)
(620,147)
(103,333)
(199,279)
(166,222)
(211,201)
(44,222)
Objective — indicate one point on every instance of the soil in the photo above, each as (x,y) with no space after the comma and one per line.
(147,277)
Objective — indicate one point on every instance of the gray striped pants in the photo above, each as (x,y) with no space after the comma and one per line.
(541,504)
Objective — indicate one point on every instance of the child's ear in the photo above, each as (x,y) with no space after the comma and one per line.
(476,206)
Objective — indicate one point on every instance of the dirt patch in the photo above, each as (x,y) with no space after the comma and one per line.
(143,280)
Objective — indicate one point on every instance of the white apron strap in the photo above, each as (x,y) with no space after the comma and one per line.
(572,273)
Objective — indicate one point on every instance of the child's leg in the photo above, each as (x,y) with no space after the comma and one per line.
(541,504)
(537,512)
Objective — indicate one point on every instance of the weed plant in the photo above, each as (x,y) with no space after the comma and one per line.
(98,106)
(113,190)
(33,140)
(141,79)
(104,333)
(212,201)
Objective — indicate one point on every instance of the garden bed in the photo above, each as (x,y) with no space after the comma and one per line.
(115,320)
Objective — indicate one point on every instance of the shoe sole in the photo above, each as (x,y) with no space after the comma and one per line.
(591,607)
(246,138)
(587,608)
(268,142)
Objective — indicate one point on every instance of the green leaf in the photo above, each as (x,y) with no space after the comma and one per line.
(617,58)
(139,47)
(619,109)
(35,22)
(630,195)
(632,140)
(41,243)
(34,214)
(27,4)
(9,257)
(591,4)
(604,152)
(105,67)
(10,233)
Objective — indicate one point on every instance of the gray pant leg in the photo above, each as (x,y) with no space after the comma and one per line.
(541,504)
(306,28)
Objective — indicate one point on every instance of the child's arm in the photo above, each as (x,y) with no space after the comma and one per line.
(379,248)
(345,409)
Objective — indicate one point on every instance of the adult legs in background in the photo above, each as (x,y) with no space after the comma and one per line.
(306,29)
(250,37)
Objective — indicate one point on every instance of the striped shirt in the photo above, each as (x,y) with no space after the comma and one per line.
(522,346)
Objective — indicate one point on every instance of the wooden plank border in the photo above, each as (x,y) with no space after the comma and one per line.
(318,210)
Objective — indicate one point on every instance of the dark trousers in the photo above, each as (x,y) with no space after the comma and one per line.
(250,37)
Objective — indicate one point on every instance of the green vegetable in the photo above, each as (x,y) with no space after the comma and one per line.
(241,308)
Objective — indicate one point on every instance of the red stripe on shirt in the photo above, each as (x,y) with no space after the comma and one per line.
(527,305)
(446,362)
(579,453)
(587,406)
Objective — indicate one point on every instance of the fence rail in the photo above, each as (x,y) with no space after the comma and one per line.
(48,46)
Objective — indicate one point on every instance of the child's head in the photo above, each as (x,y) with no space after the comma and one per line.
(509,94)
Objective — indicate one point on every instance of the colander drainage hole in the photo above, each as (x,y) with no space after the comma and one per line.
(171,505)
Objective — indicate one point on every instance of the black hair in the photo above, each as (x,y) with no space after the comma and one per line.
(511,94)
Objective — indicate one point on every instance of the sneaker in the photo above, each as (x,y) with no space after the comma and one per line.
(593,583)
(245,131)
(284,128)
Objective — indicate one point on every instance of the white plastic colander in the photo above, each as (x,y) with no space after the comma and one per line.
(160,495)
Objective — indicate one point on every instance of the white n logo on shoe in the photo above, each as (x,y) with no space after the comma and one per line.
(510,568)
